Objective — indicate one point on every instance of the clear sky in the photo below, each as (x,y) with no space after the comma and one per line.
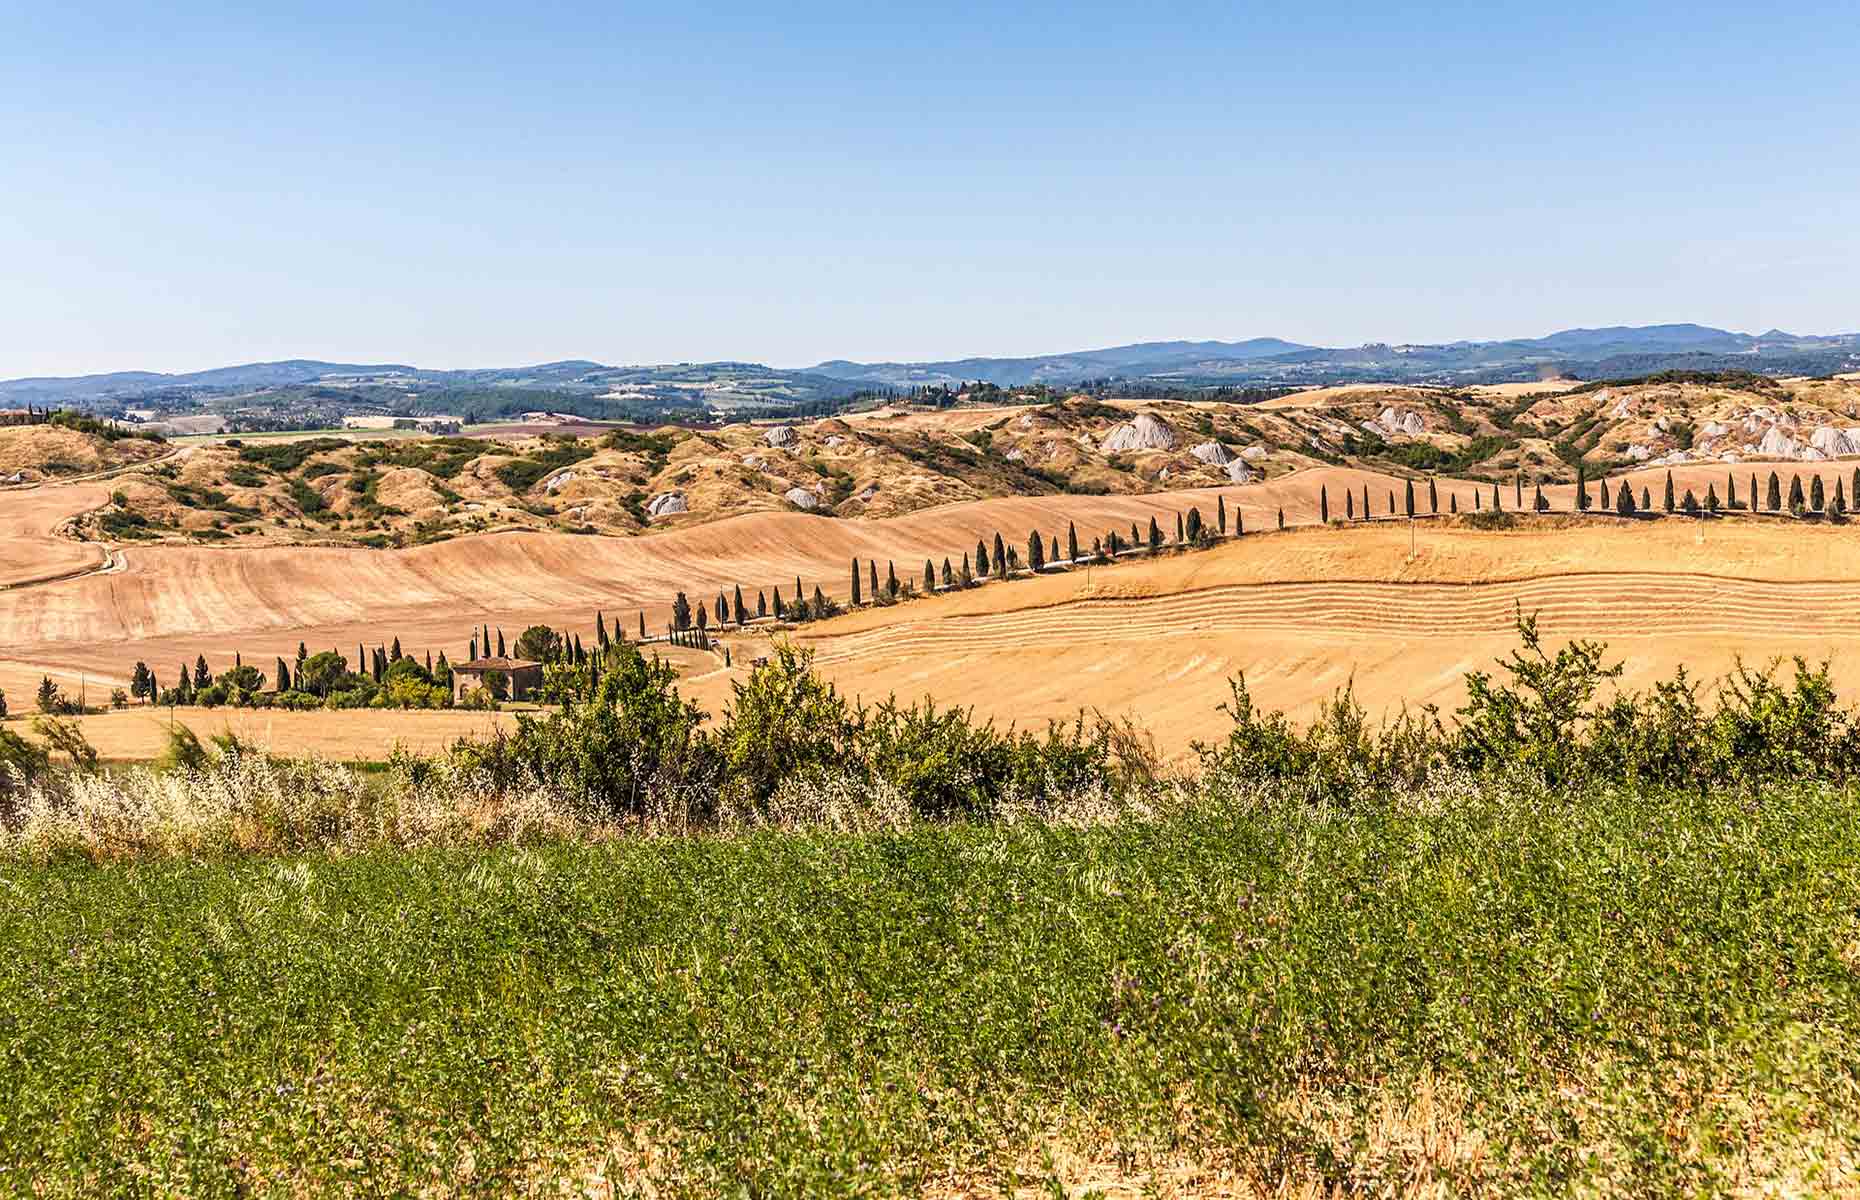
(189,185)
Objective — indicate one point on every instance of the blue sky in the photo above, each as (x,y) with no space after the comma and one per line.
(191,185)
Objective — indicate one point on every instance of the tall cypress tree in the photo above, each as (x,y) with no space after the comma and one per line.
(1817,495)
(1775,493)
(1453,502)
(1365,502)
(968,576)
(1036,551)
(929,578)
(1582,487)
(642,626)
(1349,505)
(1194,524)
(1324,504)
(855,577)
(891,579)
(1001,566)
(1730,490)
(1646,500)
(1624,499)
(500,644)
(1517,495)
(742,614)
(1178,529)
(1433,497)
(762,604)
(1072,540)
(1840,497)
(981,558)
(1711,498)
(1604,490)
(1668,498)
(1281,520)
(1496,506)
(1408,497)
(1795,494)
(282,674)
(1220,513)
(1155,535)
(949,575)
(1540,504)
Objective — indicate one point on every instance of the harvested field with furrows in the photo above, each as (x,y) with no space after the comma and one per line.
(1303,614)
(173,599)
(1298,613)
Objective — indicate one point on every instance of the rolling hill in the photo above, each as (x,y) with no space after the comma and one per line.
(643,392)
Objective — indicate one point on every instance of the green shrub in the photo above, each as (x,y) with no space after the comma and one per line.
(621,742)
(783,722)
(285,457)
(307,499)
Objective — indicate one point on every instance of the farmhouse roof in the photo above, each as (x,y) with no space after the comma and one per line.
(495,663)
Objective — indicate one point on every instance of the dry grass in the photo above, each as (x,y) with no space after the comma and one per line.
(247,802)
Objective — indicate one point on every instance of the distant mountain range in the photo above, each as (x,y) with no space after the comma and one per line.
(1612,352)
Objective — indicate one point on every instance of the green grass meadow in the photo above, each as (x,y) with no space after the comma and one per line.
(1631,993)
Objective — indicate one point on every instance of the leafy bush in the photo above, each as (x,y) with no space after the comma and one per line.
(1542,717)
(784,721)
(622,741)
(522,474)
(441,457)
(1489,519)
(125,524)
(1430,459)
(307,499)
(285,457)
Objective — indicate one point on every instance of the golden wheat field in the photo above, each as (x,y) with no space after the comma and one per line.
(1403,609)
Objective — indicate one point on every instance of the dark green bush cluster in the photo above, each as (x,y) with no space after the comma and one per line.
(442,457)
(522,474)
(285,457)
(1543,716)
(1436,460)
(625,741)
